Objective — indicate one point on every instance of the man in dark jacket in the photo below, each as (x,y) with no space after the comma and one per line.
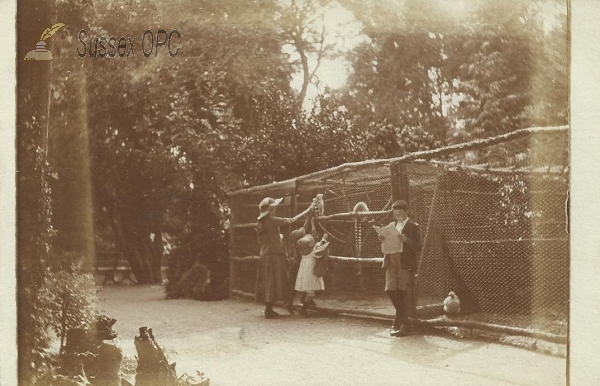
(401,267)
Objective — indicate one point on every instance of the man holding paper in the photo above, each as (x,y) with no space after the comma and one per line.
(401,245)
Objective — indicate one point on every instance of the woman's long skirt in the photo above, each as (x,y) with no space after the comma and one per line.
(271,278)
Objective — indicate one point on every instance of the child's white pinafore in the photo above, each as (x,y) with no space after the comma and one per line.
(306,281)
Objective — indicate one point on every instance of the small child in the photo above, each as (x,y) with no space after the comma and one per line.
(306,281)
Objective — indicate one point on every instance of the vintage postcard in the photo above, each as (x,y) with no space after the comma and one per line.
(177,162)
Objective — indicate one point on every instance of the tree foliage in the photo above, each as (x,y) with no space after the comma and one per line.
(158,125)
(169,135)
(401,73)
(490,70)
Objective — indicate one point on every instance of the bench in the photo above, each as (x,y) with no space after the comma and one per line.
(111,275)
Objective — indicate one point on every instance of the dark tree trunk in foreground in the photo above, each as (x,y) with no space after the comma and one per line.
(33,205)
(153,368)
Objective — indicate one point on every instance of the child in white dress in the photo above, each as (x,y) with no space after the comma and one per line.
(306,281)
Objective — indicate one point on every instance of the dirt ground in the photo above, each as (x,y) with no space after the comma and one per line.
(233,344)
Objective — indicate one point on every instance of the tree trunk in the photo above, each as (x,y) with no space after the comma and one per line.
(70,158)
(138,247)
(33,204)
(159,249)
(299,43)
(153,368)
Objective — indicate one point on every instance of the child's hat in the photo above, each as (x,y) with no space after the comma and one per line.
(296,235)
(265,204)
(306,241)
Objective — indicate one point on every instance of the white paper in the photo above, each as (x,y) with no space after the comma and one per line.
(391,243)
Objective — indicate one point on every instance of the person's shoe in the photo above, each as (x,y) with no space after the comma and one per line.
(303,309)
(311,303)
(289,308)
(270,314)
(402,331)
(396,323)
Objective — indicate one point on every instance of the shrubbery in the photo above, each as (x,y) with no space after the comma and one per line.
(68,300)
(65,301)
(200,274)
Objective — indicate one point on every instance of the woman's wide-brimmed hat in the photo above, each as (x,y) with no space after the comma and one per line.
(265,204)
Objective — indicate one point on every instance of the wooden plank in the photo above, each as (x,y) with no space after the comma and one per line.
(244,258)
(494,327)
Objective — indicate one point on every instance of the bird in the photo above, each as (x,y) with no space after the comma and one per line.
(319,204)
(451,304)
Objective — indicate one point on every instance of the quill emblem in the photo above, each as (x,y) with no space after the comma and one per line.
(48,32)
(40,52)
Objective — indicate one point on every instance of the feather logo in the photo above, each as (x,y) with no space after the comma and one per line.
(40,52)
(48,32)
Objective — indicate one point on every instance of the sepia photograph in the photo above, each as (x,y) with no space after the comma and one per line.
(293,192)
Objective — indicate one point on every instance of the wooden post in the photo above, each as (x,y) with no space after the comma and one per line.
(429,234)
(295,199)
(232,220)
(399,181)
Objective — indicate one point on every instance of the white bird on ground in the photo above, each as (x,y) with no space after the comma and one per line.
(451,304)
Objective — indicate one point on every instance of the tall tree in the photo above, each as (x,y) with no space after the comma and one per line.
(34,227)
(400,74)
(153,148)
(550,84)
(458,75)
(302,23)
(495,80)
(68,140)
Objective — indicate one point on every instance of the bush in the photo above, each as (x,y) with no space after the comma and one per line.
(67,300)
(198,273)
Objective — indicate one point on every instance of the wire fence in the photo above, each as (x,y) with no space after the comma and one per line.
(494,225)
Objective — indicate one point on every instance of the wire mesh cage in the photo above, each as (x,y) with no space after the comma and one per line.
(493,216)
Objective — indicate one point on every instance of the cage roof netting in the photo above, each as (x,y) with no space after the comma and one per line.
(537,149)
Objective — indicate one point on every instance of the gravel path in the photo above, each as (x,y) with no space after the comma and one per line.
(233,344)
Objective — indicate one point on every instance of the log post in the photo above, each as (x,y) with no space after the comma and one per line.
(153,368)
